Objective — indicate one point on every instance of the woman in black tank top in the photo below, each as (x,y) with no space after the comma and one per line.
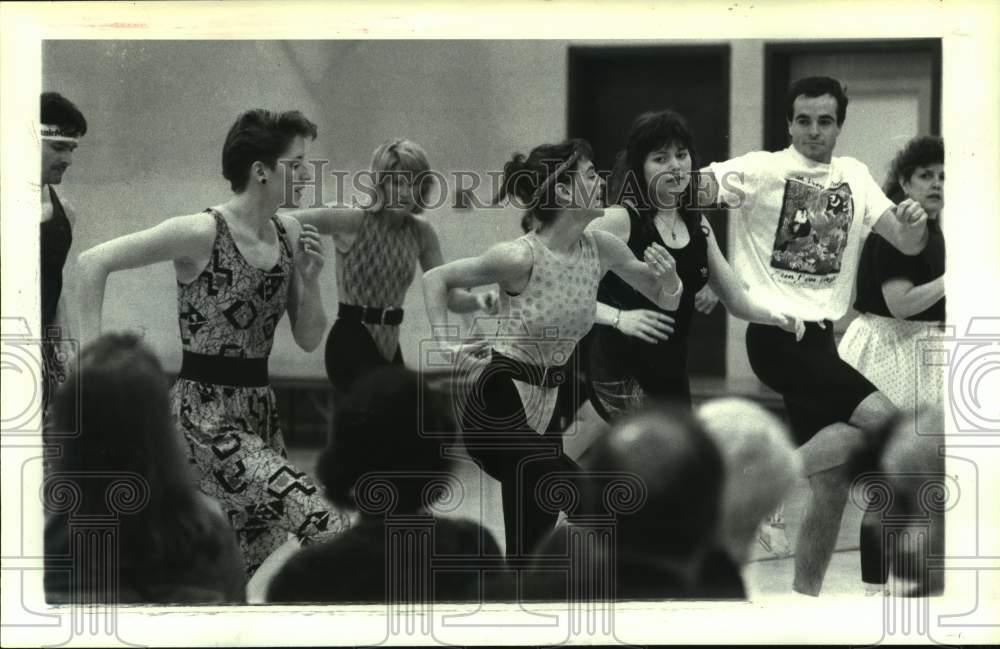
(637,350)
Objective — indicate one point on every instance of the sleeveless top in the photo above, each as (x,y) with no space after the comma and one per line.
(57,237)
(692,267)
(377,270)
(232,308)
(543,323)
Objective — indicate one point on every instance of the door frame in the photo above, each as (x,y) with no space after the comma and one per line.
(777,76)
(577,54)
(579,60)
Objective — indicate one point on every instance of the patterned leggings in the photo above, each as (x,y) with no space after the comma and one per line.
(236,446)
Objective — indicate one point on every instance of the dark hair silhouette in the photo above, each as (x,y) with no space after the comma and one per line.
(921,151)
(59,111)
(393,426)
(531,181)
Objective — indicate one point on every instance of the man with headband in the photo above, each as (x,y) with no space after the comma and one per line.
(62,124)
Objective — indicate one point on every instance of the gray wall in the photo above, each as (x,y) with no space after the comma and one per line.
(159,111)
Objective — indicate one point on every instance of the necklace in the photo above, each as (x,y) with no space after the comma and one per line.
(673,224)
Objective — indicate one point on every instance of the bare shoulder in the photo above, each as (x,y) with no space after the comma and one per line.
(616,214)
(516,249)
(513,255)
(424,229)
(615,220)
(197,226)
(290,224)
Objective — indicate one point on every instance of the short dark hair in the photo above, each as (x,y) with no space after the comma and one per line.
(61,112)
(260,135)
(921,151)
(393,426)
(817,87)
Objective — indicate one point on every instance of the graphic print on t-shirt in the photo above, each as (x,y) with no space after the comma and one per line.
(812,230)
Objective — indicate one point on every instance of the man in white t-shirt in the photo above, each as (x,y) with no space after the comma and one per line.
(802,216)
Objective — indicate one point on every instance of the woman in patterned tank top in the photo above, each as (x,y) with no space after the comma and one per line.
(548,286)
(378,247)
(239,268)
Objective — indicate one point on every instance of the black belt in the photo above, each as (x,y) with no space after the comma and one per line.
(223,370)
(370,314)
(548,377)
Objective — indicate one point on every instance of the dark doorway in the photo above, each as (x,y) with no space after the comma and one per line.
(610,86)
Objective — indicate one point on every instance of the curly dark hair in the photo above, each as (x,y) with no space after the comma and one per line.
(921,151)
(531,179)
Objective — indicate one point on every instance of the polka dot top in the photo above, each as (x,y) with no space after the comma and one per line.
(544,322)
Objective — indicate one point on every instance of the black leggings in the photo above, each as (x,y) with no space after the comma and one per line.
(351,352)
(497,436)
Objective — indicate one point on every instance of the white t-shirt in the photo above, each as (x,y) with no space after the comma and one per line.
(799,228)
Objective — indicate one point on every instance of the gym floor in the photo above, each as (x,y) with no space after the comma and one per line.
(765,575)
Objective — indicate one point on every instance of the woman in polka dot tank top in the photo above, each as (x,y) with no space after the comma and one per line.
(377,251)
(548,282)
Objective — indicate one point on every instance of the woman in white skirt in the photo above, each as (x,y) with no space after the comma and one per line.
(901,302)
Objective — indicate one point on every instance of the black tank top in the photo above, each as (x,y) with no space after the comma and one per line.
(57,237)
(692,267)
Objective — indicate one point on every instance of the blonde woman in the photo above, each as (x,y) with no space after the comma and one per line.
(378,247)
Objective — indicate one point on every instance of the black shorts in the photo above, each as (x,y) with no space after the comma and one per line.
(819,388)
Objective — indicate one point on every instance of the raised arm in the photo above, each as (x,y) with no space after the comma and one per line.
(460,300)
(656,277)
(644,324)
(507,264)
(904,226)
(329,220)
(733,293)
(614,221)
(185,240)
(305,299)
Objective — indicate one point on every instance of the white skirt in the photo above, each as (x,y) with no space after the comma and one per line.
(890,354)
